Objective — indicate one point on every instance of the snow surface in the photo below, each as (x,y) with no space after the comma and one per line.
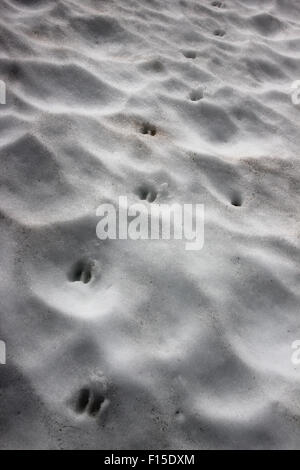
(127,345)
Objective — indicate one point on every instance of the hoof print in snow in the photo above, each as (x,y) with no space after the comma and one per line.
(81,272)
(89,400)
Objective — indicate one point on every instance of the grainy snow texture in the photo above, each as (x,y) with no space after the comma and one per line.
(122,344)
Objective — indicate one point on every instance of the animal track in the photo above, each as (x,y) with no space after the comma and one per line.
(81,272)
(147,193)
(219,32)
(148,129)
(196,95)
(89,400)
(189,54)
(82,400)
(154,66)
(236,200)
(218,4)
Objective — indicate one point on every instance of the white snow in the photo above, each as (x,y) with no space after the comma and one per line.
(123,344)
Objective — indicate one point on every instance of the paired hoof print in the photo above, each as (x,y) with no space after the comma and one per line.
(148,129)
(219,33)
(196,95)
(236,200)
(146,193)
(218,4)
(81,272)
(90,400)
